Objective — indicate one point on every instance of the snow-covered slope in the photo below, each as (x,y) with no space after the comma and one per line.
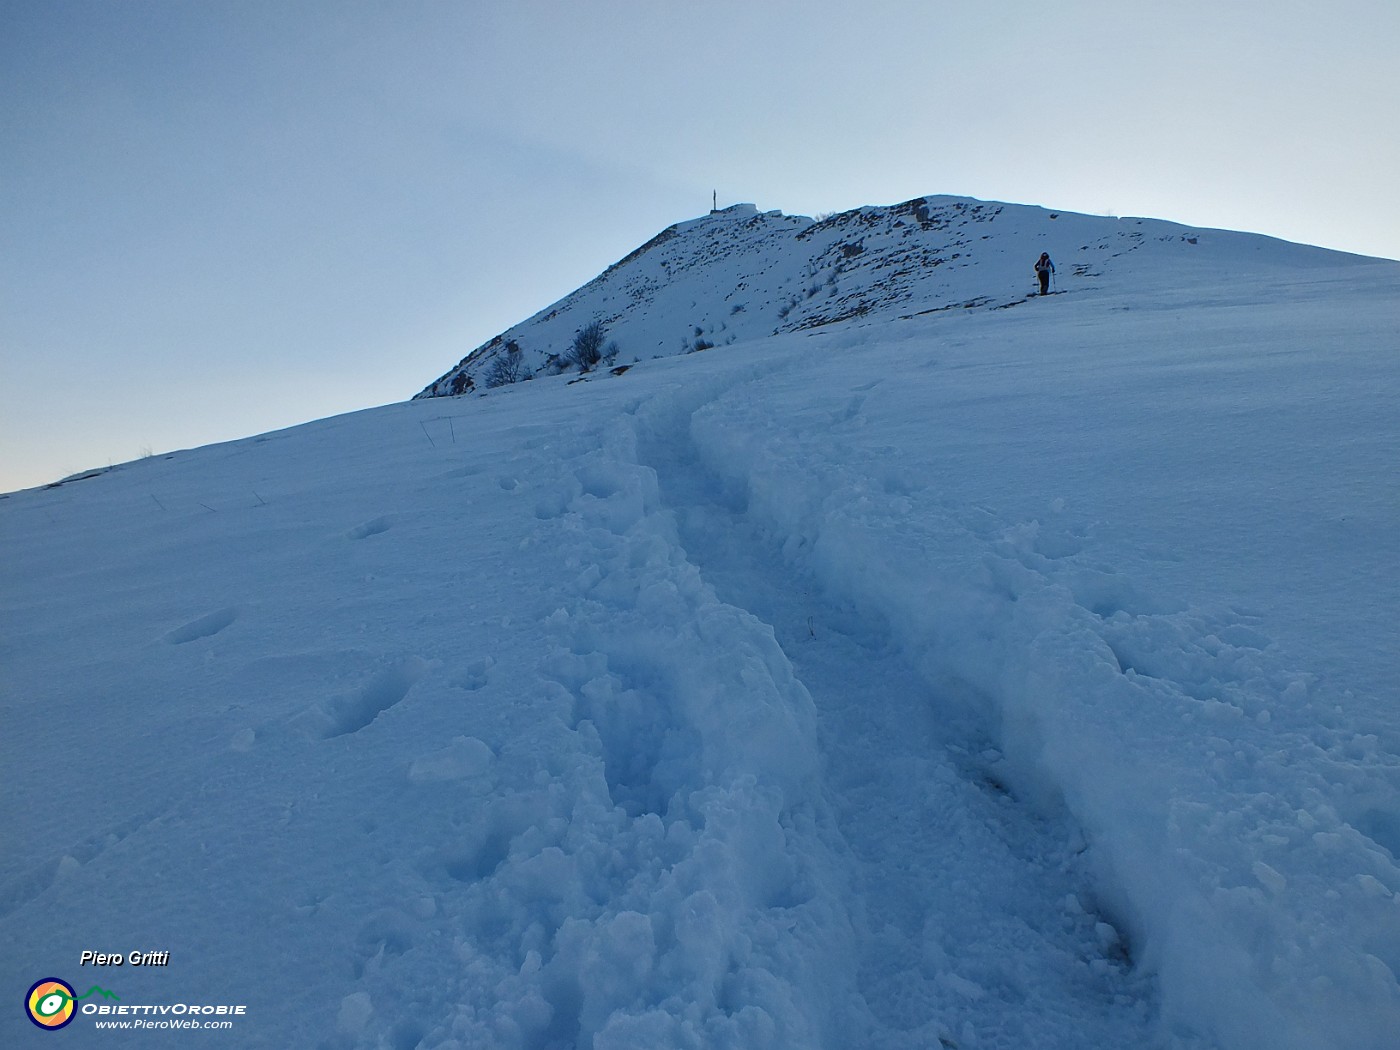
(738,275)
(939,678)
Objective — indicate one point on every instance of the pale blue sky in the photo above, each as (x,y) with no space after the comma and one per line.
(226,216)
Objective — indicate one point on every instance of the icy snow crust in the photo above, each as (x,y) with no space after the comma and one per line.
(970,677)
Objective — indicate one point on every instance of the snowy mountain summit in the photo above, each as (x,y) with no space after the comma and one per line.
(738,274)
(927,665)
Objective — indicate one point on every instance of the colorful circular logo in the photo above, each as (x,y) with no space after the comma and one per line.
(50,1003)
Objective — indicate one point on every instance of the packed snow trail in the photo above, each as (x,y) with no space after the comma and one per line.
(969,907)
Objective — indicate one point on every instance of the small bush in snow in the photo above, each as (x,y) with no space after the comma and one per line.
(508,367)
(589,347)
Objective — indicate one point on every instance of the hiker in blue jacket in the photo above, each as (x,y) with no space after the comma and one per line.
(1043,269)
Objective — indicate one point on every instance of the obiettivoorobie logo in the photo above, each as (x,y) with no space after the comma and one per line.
(51,1003)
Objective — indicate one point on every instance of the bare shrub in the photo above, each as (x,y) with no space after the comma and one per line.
(589,346)
(508,367)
